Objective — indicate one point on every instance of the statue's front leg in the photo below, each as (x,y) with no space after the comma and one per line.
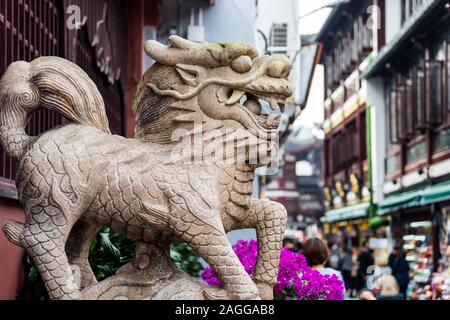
(269,218)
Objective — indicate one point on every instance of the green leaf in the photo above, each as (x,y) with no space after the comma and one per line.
(186,259)
(107,244)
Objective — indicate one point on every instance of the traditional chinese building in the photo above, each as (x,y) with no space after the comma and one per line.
(408,86)
(349,37)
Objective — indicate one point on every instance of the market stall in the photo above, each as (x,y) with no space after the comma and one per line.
(419,222)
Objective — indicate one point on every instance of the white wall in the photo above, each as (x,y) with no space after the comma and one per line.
(393,18)
(314,112)
(226,20)
(230,20)
(375,97)
(284,11)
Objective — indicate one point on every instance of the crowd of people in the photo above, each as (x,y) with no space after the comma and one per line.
(353,265)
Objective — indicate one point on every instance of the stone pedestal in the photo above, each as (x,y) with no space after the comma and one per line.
(150,276)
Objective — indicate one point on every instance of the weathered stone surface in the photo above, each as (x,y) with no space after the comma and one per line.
(186,177)
(150,276)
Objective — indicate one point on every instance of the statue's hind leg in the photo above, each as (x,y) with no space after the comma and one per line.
(269,219)
(44,237)
(77,248)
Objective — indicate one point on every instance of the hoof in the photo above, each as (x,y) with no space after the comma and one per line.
(265,291)
(215,293)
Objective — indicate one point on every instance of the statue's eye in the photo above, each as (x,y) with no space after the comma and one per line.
(242,64)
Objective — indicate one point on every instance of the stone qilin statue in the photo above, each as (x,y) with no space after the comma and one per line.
(158,188)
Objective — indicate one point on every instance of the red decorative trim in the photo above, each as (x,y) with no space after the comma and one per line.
(416,166)
(440,156)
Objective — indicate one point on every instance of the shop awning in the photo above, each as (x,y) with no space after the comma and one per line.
(346,213)
(400,201)
(419,197)
(436,193)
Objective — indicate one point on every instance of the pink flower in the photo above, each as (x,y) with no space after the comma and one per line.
(296,280)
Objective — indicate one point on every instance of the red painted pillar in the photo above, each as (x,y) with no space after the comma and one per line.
(11,270)
(139,13)
(134,48)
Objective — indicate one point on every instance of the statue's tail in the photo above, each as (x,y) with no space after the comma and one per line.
(50,83)
(12,230)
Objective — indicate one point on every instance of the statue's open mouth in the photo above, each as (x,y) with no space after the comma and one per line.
(264,108)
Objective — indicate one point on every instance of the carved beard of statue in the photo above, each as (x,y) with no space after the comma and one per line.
(226,88)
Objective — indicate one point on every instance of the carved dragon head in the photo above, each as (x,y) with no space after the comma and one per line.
(220,85)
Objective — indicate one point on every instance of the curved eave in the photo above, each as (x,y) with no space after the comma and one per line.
(335,19)
(346,213)
(411,28)
(416,198)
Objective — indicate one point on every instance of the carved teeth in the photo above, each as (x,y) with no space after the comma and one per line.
(237,95)
(273,104)
(271,120)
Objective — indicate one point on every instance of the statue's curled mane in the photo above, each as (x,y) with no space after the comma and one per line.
(152,110)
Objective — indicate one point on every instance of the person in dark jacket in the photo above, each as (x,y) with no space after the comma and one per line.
(400,270)
(346,269)
(365,260)
(393,256)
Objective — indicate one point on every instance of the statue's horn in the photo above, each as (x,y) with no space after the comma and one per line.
(170,55)
(190,53)
(200,54)
(159,52)
(180,43)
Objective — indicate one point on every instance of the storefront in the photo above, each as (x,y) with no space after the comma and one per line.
(419,225)
(440,284)
(347,226)
(351,227)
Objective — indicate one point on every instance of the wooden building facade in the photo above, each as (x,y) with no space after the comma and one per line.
(413,86)
(349,37)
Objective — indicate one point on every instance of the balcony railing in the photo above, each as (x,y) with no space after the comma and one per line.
(28,29)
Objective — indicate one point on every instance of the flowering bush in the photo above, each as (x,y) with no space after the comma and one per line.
(296,280)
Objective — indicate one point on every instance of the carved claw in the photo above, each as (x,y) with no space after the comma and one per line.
(215,293)
(265,290)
